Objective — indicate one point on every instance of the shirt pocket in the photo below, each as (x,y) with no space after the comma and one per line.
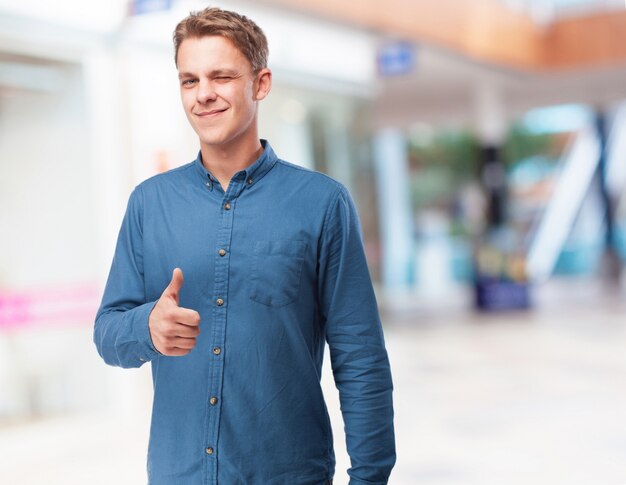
(276,271)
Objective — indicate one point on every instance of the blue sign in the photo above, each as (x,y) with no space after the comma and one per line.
(139,7)
(396,59)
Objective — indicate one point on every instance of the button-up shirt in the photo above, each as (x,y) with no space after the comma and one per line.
(275,267)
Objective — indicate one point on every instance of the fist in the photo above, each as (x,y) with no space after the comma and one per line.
(173,329)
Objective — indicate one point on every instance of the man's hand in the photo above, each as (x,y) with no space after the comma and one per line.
(173,329)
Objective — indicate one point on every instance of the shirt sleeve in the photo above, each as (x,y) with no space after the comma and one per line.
(121,332)
(357,349)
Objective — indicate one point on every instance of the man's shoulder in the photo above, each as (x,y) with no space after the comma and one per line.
(318,180)
(169,177)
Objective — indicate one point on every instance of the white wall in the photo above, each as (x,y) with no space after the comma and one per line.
(45,194)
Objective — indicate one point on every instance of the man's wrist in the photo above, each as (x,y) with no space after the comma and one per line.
(141,325)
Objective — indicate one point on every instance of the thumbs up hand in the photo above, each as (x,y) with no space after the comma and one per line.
(173,329)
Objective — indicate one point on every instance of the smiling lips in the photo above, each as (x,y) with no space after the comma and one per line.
(213,112)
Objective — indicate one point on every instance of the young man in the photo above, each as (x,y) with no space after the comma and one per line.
(273,268)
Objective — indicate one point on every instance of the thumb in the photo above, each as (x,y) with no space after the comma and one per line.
(175,285)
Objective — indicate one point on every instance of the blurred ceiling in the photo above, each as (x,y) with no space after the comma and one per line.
(512,54)
(547,11)
(536,35)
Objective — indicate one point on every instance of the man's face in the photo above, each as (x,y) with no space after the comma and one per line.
(220,91)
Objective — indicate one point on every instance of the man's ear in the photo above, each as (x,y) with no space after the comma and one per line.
(263,84)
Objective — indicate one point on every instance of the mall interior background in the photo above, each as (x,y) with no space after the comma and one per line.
(489,176)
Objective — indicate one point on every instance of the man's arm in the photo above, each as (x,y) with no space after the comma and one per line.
(357,349)
(121,331)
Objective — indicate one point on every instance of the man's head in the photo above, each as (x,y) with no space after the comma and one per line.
(240,30)
(221,59)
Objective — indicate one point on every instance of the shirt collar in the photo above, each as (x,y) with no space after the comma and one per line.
(253,173)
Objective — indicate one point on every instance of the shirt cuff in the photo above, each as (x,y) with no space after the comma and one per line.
(146,351)
(356,481)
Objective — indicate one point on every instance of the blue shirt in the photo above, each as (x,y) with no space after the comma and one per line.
(282,251)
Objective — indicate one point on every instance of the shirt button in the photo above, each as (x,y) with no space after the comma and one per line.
(222,252)
(249,181)
(219,302)
(217,351)
(213,401)
(209,451)
(227,206)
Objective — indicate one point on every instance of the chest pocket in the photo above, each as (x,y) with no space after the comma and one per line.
(276,271)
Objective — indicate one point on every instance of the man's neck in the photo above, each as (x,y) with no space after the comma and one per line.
(224,162)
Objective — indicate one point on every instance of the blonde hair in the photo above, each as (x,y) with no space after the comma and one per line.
(241,31)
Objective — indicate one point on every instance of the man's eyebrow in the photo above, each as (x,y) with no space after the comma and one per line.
(215,72)
(221,72)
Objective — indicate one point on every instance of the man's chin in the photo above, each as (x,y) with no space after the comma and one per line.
(213,140)
(210,140)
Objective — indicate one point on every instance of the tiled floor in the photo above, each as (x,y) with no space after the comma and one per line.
(532,398)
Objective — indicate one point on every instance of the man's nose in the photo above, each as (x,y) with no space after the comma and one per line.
(206,92)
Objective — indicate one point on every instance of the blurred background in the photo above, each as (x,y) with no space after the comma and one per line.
(484,142)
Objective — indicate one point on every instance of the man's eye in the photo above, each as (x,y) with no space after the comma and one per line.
(223,78)
(188,82)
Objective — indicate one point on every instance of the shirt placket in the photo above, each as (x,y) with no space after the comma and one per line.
(220,313)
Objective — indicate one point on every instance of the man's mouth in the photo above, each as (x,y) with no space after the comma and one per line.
(213,112)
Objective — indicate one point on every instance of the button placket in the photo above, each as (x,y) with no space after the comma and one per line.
(220,309)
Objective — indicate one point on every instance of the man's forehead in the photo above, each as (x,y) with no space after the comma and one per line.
(210,52)
(217,43)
